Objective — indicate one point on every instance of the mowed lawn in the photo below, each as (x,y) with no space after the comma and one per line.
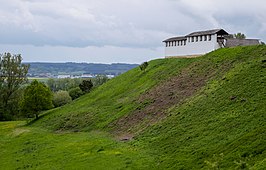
(24,147)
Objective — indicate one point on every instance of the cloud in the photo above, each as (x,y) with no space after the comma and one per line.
(84,23)
(124,24)
(135,23)
(235,16)
(80,24)
(91,54)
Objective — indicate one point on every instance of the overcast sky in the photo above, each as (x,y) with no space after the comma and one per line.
(117,31)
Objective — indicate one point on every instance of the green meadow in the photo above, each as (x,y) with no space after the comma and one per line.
(197,113)
(24,147)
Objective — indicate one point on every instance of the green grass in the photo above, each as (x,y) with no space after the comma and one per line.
(113,100)
(25,147)
(221,126)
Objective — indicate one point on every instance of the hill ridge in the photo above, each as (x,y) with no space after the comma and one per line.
(212,105)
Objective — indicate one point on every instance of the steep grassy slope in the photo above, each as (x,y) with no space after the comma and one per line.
(116,98)
(223,126)
(206,112)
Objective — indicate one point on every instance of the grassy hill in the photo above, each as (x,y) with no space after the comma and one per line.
(206,112)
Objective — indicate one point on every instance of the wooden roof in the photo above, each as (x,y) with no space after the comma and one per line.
(198,33)
(175,39)
(208,32)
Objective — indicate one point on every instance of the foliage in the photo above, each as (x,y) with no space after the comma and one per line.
(12,76)
(230,36)
(86,86)
(17,101)
(61,98)
(52,84)
(37,97)
(99,80)
(75,93)
(143,66)
(66,84)
(240,36)
(63,84)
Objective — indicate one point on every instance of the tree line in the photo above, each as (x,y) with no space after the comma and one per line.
(19,98)
(38,69)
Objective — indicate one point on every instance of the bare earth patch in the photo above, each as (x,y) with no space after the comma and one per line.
(154,103)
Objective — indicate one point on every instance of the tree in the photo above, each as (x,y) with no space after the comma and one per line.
(37,97)
(51,84)
(86,85)
(143,66)
(61,98)
(229,36)
(240,36)
(12,75)
(63,84)
(99,80)
(75,93)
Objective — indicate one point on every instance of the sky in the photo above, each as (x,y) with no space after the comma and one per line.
(117,31)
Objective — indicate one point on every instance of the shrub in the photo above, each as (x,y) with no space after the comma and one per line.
(143,66)
(63,84)
(61,98)
(99,80)
(86,85)
(75,93)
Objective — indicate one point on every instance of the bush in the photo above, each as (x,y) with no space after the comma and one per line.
(61,98)
(63,84)
(143,66)
(86,86)
(75,93)
(99,80)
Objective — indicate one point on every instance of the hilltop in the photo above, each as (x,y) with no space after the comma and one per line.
(206,112)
